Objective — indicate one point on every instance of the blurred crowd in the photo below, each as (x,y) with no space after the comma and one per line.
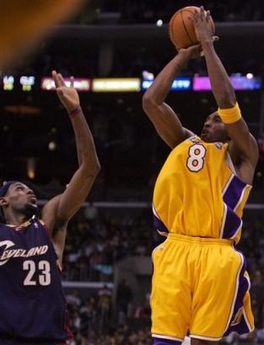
(97,240)
(94,320)
(148,11)
(100,238)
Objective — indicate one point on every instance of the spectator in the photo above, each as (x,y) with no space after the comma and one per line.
(124,297)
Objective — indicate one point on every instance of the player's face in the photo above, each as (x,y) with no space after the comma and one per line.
(214,130)
(21,199)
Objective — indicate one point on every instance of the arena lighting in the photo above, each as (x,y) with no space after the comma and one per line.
(184,83)
(22,109)
(239,83)
(179,84)
(115,84)
(52,145)
(248,82)
(159,22)
(27,82)
(31,167)
(146,75)
(81,84)
(8,82)
(249,75)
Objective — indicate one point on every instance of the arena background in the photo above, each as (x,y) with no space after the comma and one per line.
(111,238)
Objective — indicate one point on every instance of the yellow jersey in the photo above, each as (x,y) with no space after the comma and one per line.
(197,192)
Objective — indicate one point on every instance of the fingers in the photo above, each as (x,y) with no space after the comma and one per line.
(204,13)
(71,81)
(59,80)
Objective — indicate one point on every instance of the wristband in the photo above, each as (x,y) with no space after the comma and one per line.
(230,115)
(75,111)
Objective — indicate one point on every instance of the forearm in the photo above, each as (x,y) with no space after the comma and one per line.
(161,86)
(85,146)
(162,116)
(220,82)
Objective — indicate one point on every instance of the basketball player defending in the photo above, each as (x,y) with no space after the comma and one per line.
(32,306)
(200,285)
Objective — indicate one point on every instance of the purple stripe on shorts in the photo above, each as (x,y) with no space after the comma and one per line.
(159,225)
(161,341)
(238,323)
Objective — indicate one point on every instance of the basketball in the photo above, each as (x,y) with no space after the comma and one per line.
(181,29)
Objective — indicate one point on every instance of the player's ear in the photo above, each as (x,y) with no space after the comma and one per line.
(3,201)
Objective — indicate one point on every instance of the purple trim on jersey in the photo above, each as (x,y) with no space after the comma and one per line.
(231,198)
(241,327)
(234,191)
(162,341)
(159,225)
(232,224)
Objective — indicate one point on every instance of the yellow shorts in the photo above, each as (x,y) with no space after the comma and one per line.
(200,286)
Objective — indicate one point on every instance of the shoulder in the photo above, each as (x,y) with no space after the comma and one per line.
(49,214)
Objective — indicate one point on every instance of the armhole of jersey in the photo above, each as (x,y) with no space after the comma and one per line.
(46,228)
(229,161)
(59,266)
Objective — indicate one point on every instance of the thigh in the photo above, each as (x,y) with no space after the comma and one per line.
(220,293)
(170,295)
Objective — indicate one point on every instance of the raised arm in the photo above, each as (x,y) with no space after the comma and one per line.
(59,210)
(243,147)
(162,116)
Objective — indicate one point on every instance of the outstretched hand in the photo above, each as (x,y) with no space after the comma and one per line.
(204,27)
(68,95)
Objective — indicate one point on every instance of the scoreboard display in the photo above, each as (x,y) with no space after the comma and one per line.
(27,83)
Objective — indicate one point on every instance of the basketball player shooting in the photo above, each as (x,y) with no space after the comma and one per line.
(200,285)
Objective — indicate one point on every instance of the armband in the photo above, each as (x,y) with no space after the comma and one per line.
(75,112)
(230,115)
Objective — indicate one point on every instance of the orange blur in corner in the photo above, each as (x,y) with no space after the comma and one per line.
(24,22)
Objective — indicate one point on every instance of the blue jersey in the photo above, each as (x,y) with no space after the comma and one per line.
(32,304)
